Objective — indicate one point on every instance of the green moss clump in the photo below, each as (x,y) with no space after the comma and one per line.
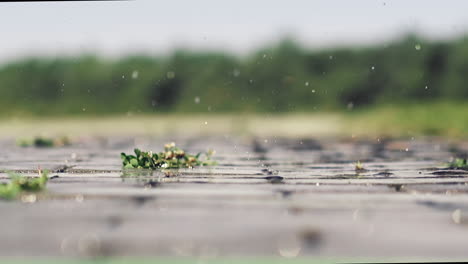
(44,142)
(171,158)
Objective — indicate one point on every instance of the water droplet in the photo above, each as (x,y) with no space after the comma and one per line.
(330,57)
(417,46)
(306,83)
(373,68)
(29,198)
(135,74)
(170,74)
(456,216)
(197,99)
(123,76)
(313,91)
(289,246)
(206,123)
(426,87)
(79,198)
(84,109)
(356,215)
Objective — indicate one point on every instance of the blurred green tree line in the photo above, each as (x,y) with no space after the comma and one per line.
(285,77)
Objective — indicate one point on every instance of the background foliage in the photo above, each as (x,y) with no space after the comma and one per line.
(285,77)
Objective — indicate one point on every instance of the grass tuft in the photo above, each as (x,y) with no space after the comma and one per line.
(359,167)
(19,184)
(458,164)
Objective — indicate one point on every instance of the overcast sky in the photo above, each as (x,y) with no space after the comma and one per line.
(114,28)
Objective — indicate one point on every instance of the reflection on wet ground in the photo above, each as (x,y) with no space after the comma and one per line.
(272,196)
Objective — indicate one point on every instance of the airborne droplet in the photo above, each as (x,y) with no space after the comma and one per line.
(170,74)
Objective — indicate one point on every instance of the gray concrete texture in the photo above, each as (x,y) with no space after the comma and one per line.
(266,197)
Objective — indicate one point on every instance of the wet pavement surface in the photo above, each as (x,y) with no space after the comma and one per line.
(266,197)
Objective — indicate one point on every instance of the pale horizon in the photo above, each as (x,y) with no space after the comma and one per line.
(153,27)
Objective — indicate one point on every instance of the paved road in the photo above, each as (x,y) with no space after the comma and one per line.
(267,197)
